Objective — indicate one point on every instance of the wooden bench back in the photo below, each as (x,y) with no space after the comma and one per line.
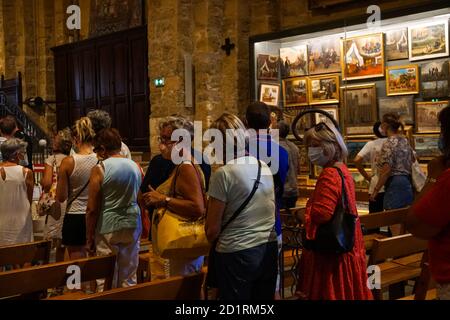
(383,219)
(396,247)
(25,253)
(34,279)
(176,288)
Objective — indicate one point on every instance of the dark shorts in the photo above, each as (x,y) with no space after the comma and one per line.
(248,274)
(74,230)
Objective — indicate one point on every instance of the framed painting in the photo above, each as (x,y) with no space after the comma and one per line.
(269,94)
(397,44)
(305,123)
(402,80)
(403,106)
(435,79)
(295,92)
(360,182)
(427,116)
(324,89)
(268,67)
(362,57)
(303,160)
(426,146)
(354,147)
(324,56)
(360,109)
(428,40)
(332,110)
(294,61)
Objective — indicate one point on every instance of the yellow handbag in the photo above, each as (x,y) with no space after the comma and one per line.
(177,237)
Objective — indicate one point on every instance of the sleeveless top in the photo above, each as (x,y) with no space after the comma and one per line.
(16,224)
(78,179)
(121,182)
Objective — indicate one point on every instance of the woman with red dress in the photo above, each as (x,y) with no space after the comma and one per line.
(324,275)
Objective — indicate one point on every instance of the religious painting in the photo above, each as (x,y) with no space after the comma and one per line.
(109,16)
(324,55)
(360,109)
(362,57)
(402,80)
(270,94)
(332,110)
(324,89)
(428,41)
(426,146)
(360,182)
(427,116)
(295,92)
(267,67)
(354,147)
(403,106)
(397,44)
(435,79)
(294,61)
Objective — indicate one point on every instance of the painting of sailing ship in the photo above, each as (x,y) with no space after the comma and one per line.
(295,92)
(428,41)
(294,61)
(397,44)
(402,80)
(363,57)
(268,67)
(324,56)
(435,79)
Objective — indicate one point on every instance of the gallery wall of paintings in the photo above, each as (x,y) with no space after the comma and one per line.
(357,75)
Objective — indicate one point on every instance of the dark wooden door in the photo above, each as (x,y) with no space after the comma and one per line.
(108,73)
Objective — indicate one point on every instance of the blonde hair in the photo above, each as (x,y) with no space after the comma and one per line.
(83,131)
(330,138)
(228,121)
(64,144)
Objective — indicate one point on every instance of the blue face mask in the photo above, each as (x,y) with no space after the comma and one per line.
(441,143)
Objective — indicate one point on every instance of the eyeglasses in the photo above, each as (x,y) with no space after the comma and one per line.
(165,141)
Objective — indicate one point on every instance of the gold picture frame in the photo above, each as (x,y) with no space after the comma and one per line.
(323,89)
(359,102)
(370,63)
(360,182)
(295,92)
(427,120)
(402,80)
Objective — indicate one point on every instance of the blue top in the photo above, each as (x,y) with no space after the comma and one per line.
(121,182)
(278,164)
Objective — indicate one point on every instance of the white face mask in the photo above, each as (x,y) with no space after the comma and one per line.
(317,157)
(381,131)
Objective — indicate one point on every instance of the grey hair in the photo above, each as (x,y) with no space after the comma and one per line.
(178,122)
(11,147)
(332,141)
(100,120)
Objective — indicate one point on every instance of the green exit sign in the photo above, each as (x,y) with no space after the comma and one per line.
(159,82)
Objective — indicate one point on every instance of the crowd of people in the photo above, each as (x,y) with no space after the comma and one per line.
(102,195)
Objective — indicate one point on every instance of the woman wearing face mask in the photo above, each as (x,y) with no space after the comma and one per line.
(395,166)
(187,181)
(429,218)
(331,276)
(16,191)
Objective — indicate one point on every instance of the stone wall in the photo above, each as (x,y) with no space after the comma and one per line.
(29,28)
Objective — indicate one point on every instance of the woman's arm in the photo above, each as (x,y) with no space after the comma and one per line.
(65,170)
(214,216)
(93,206)
(29,181)
(190,203)
(46,181)
(385,173)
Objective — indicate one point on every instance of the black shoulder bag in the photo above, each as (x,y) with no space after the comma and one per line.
(211,277)
(338,234)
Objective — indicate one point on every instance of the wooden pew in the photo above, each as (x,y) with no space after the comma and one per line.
(382,219)
(425,287)
(176,288)
(399,259)
(22,254)
(41,278)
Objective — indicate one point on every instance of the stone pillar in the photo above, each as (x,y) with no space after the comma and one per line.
(2,40)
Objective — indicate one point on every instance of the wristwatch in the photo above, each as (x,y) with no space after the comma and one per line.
(168,199)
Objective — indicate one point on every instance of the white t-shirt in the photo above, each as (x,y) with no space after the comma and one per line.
(254,226)
(371,153)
